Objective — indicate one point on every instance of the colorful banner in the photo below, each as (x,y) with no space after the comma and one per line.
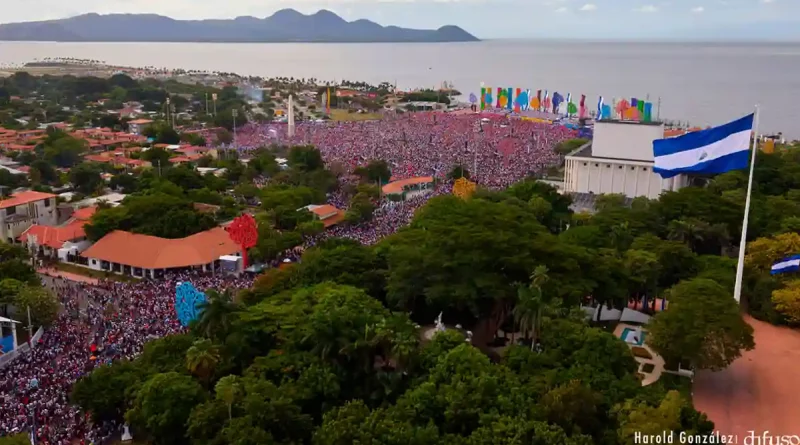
(519,101)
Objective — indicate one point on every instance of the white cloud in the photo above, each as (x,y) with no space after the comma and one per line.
(767,1)
(562,10)
(698,10)
(589,7)
(647,9)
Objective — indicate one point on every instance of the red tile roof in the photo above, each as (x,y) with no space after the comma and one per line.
(398,186)
(150,252)
(18,199)
(328,214)
(54,237)
(85,213)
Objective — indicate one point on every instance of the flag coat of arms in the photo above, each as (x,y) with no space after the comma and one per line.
(714,150)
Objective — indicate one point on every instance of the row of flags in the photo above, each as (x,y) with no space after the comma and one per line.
(624,109)
(519,100)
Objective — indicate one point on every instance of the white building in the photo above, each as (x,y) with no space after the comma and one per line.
(137,126)
(22,210)
(619,160)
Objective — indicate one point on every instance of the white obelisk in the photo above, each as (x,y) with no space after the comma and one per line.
(291,117)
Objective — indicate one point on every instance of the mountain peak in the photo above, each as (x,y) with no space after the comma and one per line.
(285,25)
(286,13)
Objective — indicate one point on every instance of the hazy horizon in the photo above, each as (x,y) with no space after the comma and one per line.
(605,20)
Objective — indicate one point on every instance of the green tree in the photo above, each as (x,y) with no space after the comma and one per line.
(13,264)
(45,171)
(162,407)
(361,209)
(107,391)
(228,390)
(530,303)
(217,316)
(43,304)
(157,157)
(458,172)
(647,420)
(202,360)
(65,152)
(305,158)
(376,171)
(86,178)
(703,325)
(787,301)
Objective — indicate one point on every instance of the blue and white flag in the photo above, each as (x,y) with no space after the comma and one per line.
(791,264)
(600,104)
(715,150)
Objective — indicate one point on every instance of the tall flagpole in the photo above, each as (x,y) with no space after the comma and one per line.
(737,290)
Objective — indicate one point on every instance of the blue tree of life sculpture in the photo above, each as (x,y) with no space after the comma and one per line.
(188,302)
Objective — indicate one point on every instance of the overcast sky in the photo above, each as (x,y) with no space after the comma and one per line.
(484,18)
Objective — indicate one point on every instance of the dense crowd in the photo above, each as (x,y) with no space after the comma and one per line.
(498,150)
(114,320)
(98,324)
(388,217)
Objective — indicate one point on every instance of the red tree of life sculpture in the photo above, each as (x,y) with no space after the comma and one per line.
(244,232)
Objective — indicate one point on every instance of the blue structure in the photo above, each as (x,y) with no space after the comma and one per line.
(188,302)
(6,344)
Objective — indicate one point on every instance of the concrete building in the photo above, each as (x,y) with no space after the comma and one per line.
(137,126)
(619,160)
(63,241)
(24,209)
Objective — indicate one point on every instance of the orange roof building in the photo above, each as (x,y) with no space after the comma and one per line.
(136,254)
(408,185)
(54,237)
(25,197)
(328,214)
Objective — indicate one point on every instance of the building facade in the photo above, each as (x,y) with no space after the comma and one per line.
(619,160)
(24,209)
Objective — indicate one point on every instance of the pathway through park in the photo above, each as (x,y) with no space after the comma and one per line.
(760,391)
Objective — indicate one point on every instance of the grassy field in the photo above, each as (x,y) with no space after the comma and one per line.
(344,116)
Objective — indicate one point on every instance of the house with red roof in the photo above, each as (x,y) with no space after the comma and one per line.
(23,209)
(63,240)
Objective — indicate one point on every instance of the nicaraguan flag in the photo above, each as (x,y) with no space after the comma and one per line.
(600,104)
(791,264)
(715,150)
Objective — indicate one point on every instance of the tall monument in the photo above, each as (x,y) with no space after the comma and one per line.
(291,116)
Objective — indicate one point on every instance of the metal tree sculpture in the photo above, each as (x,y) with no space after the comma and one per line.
(244,232)
(188,301)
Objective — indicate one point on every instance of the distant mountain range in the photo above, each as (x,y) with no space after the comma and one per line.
(286,25)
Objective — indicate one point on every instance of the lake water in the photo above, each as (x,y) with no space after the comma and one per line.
(703,83)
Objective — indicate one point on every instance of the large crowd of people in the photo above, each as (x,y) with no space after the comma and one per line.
(497,150)
(99,324)
(109,321)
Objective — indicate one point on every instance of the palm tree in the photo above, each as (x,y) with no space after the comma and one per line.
(689,231)
(228,390)
(621,236)
(524,311)
(531,301)
(539,278)
(217,314)
(202,358)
